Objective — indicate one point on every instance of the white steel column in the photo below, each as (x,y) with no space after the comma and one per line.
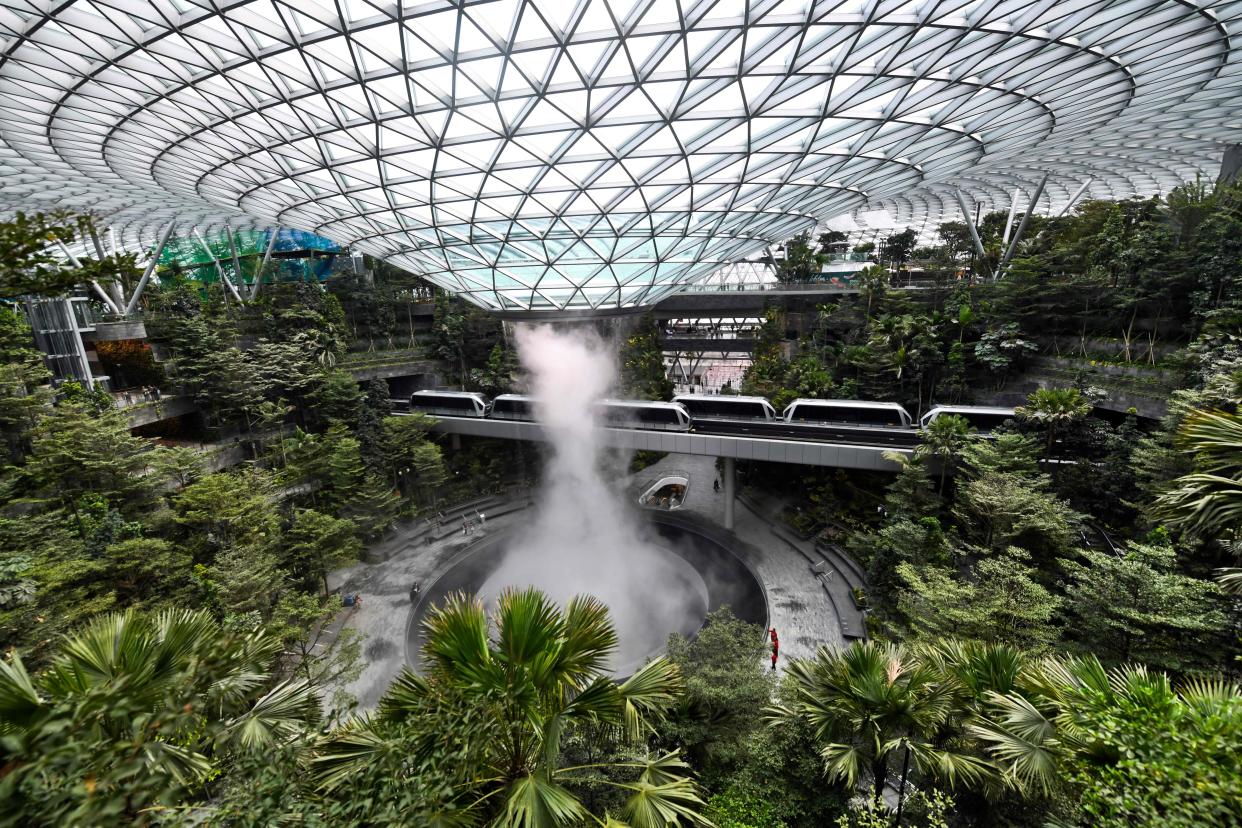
(219,267)
(1026,217)
(1074,198)
(146,274)
(103,294)
(267,257)
(970,225)
(1013,209)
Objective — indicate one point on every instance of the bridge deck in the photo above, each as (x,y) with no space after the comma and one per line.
(767,449)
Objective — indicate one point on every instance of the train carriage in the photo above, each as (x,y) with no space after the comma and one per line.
(848,413)
(656,416)
(513,407)
(982,418)
(449,403)
(726,407)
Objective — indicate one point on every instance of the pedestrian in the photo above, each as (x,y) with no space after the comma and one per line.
(414,590)
(482,521)
(776,646)
(465,526)
(716,485)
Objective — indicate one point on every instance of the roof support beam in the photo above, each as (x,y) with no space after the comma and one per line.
(1074,198)
(1017,236)
(219,267)
(974,231)
(103,294)
(970,225)
(236,261)
(1013,209)
(267,257)
(146,274)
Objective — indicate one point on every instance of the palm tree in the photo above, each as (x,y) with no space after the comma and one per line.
(1208,501)
(530,675)
(870,701)
(145,708)
(1055,409)
(943,439)
(1046,723)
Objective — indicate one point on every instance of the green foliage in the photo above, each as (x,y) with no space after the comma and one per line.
(943,438)
(997,599)
(74,451)
(136,713)
(1120,747)
(29,263)
(23,397)
(1209,500)
(1054,409)
(997,510)
(463,335)
(1135,606)
(870,702)
(1003,348)
(801,262)
(643,376)
(739,809)
(315,544)
(725,687)
(536,677)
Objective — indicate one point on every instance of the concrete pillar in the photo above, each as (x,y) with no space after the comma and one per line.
(455,441)
(729,475)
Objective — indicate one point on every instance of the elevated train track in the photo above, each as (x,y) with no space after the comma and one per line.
(843,448)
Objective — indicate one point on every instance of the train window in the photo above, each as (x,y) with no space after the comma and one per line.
(656,416)
(988,422)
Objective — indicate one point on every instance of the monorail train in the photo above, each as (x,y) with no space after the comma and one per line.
(513,407)
(657,416)
(726,407)
(848,413)
(449,403)
(688,409)
(982,417)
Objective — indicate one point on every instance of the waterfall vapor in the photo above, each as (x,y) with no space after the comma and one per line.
(584,538)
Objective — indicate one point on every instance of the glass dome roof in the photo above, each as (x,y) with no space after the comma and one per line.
(552,155)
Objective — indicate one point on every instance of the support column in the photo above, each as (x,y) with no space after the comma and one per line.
(156,252)
(728,474)
(267,257)
(455,441)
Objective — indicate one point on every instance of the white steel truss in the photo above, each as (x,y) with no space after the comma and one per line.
(551,155)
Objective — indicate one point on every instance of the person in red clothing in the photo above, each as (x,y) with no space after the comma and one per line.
(776,646)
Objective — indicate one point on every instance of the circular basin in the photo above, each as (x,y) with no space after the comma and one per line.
(686,572)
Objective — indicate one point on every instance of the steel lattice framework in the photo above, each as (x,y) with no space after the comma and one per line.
(551,155)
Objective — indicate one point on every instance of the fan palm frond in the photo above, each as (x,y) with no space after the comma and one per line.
(648,694)
(278,716)
(590,638)
(1215,438)
(534,801)
(658,806)
(19,700)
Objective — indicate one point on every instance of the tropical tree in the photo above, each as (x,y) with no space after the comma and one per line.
(870,704)
(1208,501)
(135,714)
(1054,409)
(1133,605)
(532,673)
(943,439)
(1121,747)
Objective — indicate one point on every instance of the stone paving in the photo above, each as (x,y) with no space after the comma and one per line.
(797,604)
